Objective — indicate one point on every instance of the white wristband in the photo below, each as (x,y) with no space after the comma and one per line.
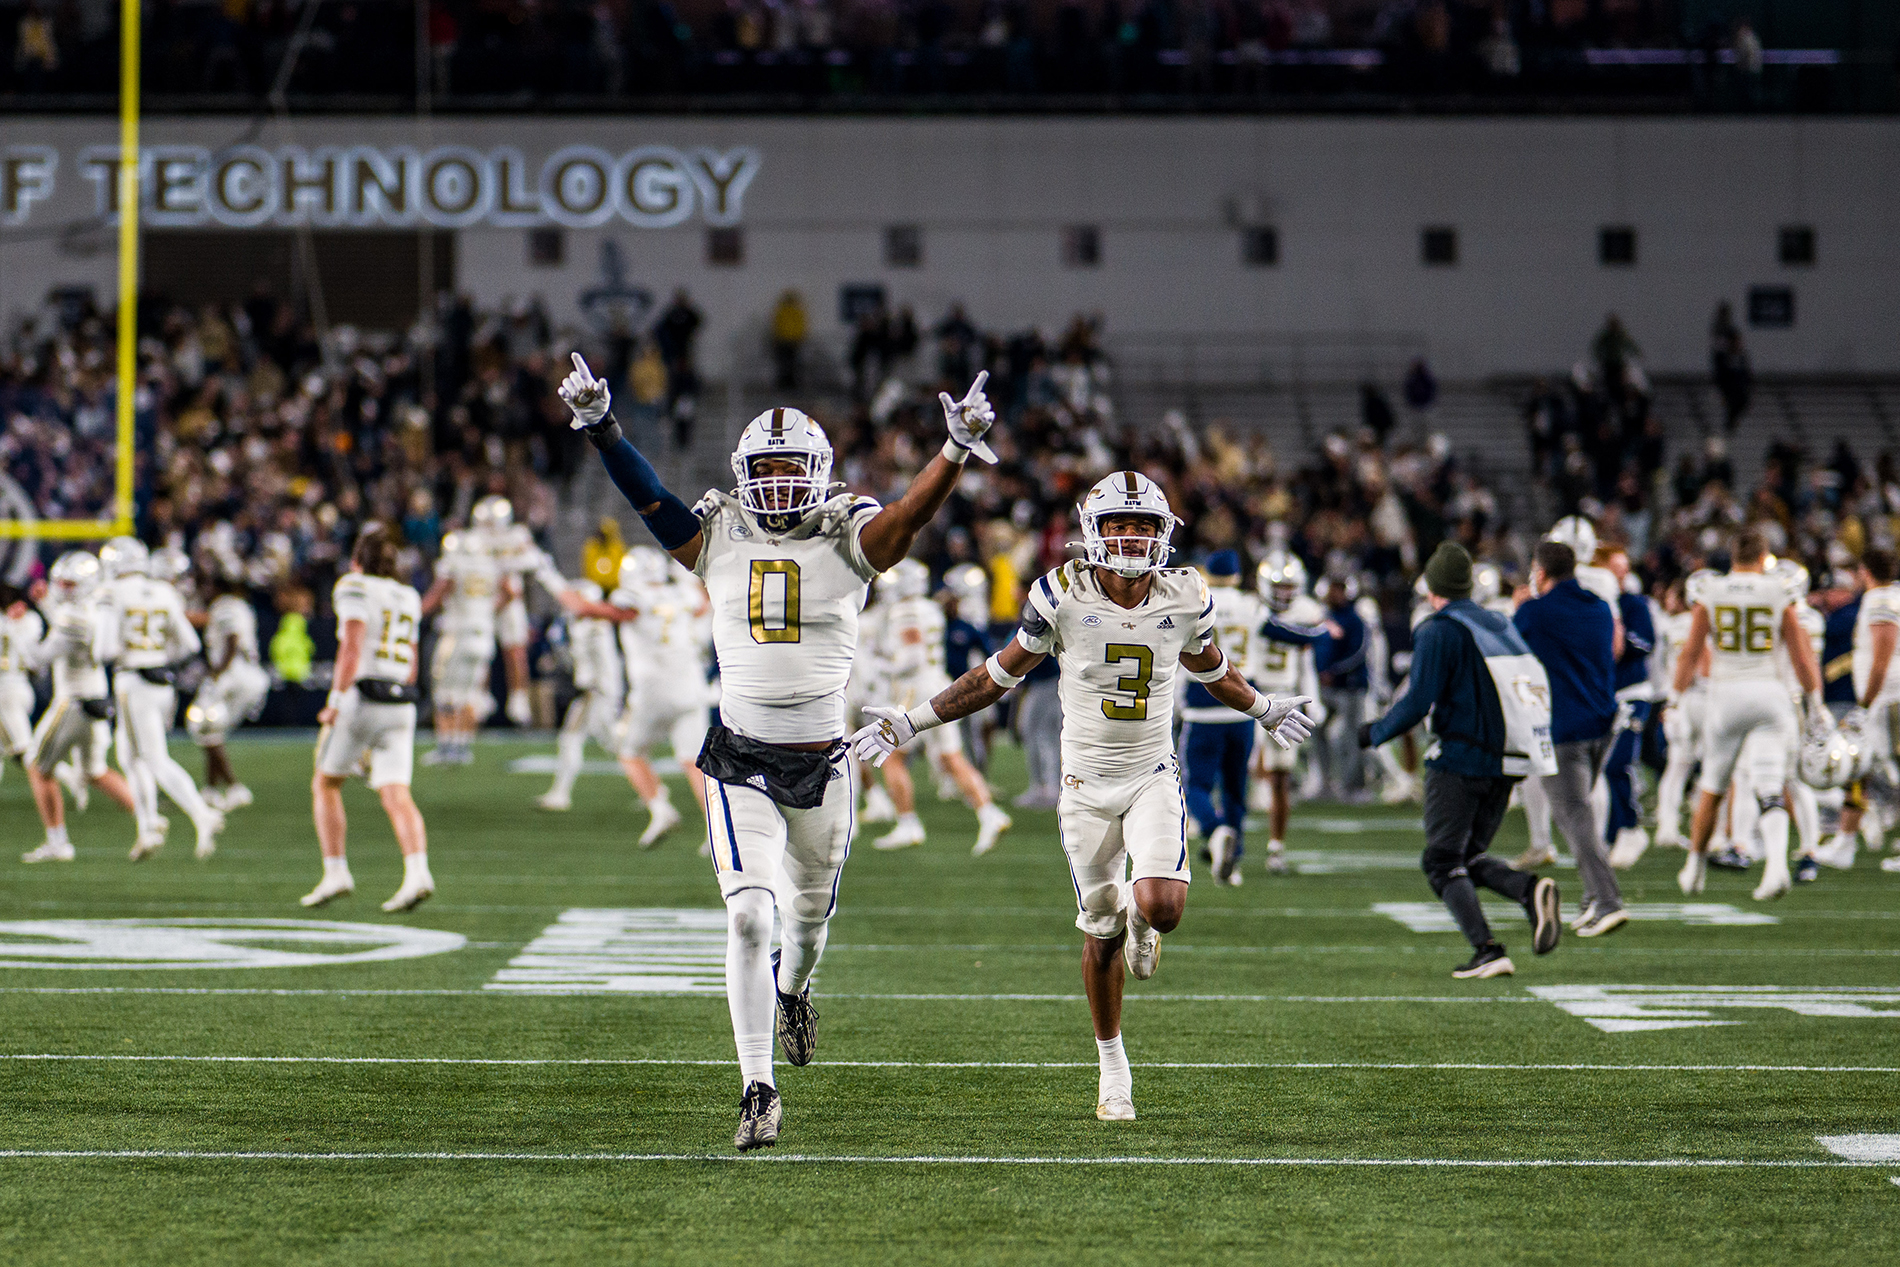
(954,452)
(1000,675)
(1262,703)
(335,698)
(1214,674)
(923,717)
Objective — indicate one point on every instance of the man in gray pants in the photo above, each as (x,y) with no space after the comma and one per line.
(1572,633)
(1039,726)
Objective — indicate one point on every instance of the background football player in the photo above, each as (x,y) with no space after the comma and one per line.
(600,685)
(468,589)
(21,630)
(512,548)
(1285,662)
(785,564)
(232,695)
(1120,622)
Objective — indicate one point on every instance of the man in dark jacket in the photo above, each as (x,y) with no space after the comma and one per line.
(1572,632)
(1466,788)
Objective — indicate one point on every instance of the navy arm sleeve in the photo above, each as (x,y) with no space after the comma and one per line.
(1639,631)
(1277,630)
(671,523)
(1431,661)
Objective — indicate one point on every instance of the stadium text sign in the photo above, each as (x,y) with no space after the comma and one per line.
(450,186)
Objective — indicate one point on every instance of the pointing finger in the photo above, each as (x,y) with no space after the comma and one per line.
(587,375)
(976,388)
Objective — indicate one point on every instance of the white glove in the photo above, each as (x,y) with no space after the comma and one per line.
(970,419)
(1283,721)
(586,395)
(876,742)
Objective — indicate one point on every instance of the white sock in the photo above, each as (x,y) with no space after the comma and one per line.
(989,813)
(910,821)
(176,781)
(1774,835)
(415,869)
(749,985)
(1276,846)
(338,866)
(1115,1072)
(56,835)
(800,947)
(567,764)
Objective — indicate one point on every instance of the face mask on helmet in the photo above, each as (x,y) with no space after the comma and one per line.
(493,514)
(910,579)
(783,465)
(1126,524)
(1281,579)
(123,556)
(74,575)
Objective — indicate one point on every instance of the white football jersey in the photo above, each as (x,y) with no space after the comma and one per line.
(917,672)
(232,623)
(1238,615)
(19,640)
(1814,625)
(596,650)
(1600,581)
(870,678)
(391,613)
(151,629)
(1118,664)
(784,615)
(1744,611)
(468,610)
(514,550)
(1878,606)
(1672,633)
(75,647)
(1283,668)
(666,642)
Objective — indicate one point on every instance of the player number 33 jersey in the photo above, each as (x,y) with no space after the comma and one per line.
(1118,664)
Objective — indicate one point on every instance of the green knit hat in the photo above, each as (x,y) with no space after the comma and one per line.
(1448,573)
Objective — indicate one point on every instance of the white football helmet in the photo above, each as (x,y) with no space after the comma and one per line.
(1795,574)
(1280,578)
(587,590)
(1487,582)
(1127,493)
(493,514)
(971,585)
(168,563)
(909,579)
(124,556)
(1578,533)
(74,575)
(454,543)
(781,502)
(640,566)
(1836,758)
(205,718)
(1698,584)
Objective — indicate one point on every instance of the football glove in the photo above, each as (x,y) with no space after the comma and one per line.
(969,420)
(585,395)
(1282,718)
(875,743)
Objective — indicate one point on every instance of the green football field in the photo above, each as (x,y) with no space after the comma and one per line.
(536,1066)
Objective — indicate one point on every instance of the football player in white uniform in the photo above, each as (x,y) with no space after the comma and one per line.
(1120,623)
(150,635)
(1876,696)
(21,631)
(1683,719)
(370,719)
(661,615)
(600,686)
(468,590)
(77,724)
(786,564)
(911,646)
(232,695)
(512,547)
(1746,615)
(1283,662)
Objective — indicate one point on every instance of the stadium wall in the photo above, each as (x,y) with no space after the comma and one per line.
(993,198)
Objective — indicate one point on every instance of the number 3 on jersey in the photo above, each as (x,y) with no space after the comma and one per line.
(774,600)
(1136,684)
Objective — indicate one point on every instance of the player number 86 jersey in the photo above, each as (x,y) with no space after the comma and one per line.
(1744,611)
(1118,664)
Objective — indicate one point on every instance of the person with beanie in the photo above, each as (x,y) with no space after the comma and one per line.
(1466,788)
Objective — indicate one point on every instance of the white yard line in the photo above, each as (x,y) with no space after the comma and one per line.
(1344,1065)
(1483,1163)
(886,998)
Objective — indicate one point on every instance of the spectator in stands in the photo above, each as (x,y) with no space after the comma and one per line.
(1728,365)
(1421,386)
(790,326)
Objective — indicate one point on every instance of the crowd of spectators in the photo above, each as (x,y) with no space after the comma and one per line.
(521,49)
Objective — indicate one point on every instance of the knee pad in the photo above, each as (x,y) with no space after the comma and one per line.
(749,916)
(1772,800)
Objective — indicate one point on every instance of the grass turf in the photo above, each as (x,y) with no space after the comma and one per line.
(1281,972)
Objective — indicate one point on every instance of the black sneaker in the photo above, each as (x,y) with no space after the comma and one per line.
(1806,870)
(1730,859)
(759,1115)
(1489,960)
(1547,923)
(797,1021)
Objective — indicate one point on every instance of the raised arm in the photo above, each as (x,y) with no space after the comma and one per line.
(589,608)
(891,532)
(674,526)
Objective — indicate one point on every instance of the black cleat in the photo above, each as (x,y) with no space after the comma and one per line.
(1488,961)
(797,1026)
(1547,924)
(759,1116)
(1806,870)
(1730,859)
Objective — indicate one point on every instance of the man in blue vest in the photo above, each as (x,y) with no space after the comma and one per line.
(1466,788)
(1572,632)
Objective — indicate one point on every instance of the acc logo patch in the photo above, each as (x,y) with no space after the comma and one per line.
(211,943)
(1091,621)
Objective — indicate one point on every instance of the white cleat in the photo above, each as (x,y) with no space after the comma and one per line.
(411,895)
(992,823)
(212,796)
(1141,946)
(1693,873)
(1276,863)
(1116,1106)
(1398,791)
(1631,844)
(1837,852)
(208,829)
(148,843)
(1774,884)
(550,801)
(1890,864)
(49,852)
(1668,839)
(1533,858)
(519,711)
(903,836)
(878,807)
(1220,852)
(237,796)
(665,819)
(331,886)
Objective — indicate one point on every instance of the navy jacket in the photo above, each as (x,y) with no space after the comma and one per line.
(1572,633)
(1346,655)
(1639,639)
(1449,679)
(1837,656)
(963,645)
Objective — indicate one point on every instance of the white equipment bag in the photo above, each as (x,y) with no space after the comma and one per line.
(1523,694)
